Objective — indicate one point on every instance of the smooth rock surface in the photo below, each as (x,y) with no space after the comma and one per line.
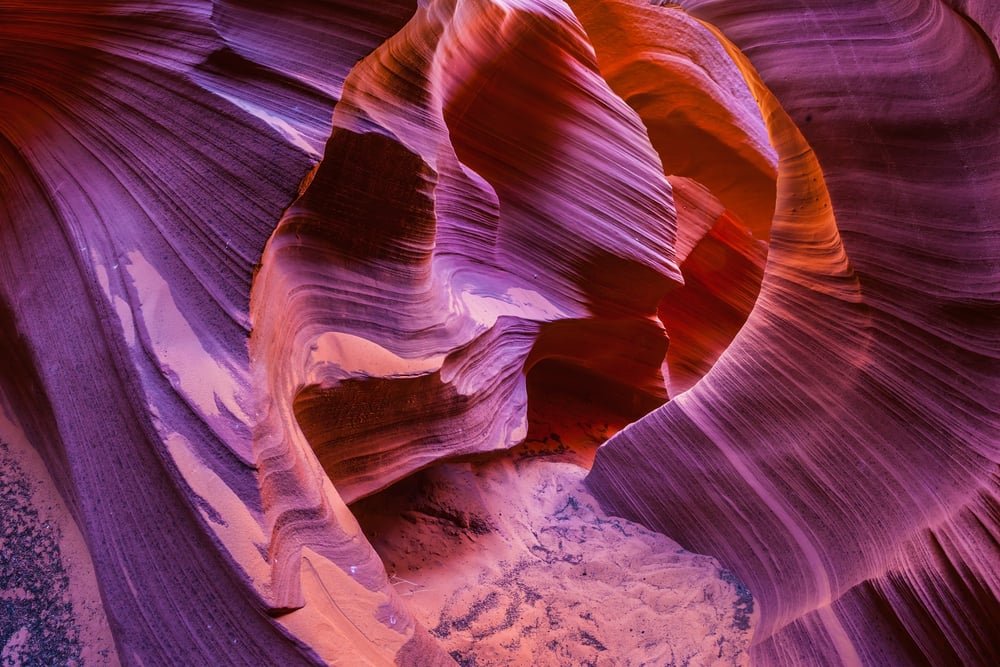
(842,455)
(274,275)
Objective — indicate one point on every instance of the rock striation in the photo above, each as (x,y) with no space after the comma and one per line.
(315,318)
(850,434)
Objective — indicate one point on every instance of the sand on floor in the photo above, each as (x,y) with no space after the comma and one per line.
(51,611)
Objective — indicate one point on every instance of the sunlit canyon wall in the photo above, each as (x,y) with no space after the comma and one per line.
(491,332)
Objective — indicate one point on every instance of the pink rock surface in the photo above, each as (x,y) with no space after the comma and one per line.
(274,278)
(841,457)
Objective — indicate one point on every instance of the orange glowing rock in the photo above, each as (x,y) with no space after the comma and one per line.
(416,332)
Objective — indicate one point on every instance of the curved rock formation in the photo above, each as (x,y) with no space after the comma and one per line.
(147,153)
(851,432)
(755,244)
(447,243)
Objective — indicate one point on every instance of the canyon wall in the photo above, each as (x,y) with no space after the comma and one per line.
(274,277)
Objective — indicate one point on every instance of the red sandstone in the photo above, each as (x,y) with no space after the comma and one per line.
(500,332)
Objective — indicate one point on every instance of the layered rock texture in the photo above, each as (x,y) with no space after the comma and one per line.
(492,332)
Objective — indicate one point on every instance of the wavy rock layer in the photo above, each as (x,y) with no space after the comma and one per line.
(851,432)
(142,173)
(455,236)
(518,206)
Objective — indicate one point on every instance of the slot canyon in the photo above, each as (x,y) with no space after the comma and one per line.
(500,332)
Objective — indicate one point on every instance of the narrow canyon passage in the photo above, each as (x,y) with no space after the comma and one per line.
(507,558)
(491,332)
